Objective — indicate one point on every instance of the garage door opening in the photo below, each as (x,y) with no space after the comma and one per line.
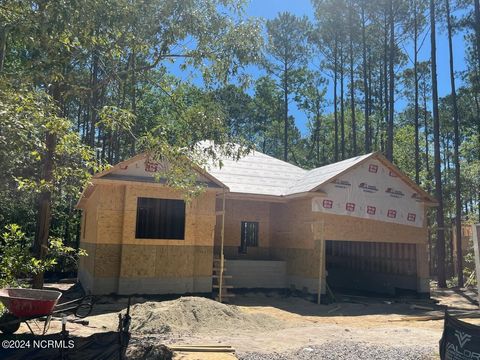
(371,267)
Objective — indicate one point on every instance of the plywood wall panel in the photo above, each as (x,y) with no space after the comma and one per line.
(110,197)
(138,261)
(238,211)
(339,227)
(90,226)
(110,227)
(174,261)
(107,260)
(203,257)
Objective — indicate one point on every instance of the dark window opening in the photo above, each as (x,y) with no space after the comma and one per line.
(160,219)
(249,235)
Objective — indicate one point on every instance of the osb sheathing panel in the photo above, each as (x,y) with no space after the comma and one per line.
(294,225)
(291,224)
(237,211)
(110,226)
(107,260)
(338,227)
(89,234)
(300,262)
(110,196)
(166,261)
(114,251)
(138,261)
(203,260)
(136,191)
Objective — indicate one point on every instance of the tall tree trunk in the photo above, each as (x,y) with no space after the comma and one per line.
(365,83)
(342,107)
(427,150)
(440,246)
(94,98)
(285,113)
(134,94)
(385,83)
(335,111)
(370,101)
(382,108)
(3,46)
(391,84)
(352,87)
(477,32)
(477,40)
(44,213)
(318,126)
(415,72)
(458,184)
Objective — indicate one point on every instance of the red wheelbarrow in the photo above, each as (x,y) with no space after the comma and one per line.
(31,304)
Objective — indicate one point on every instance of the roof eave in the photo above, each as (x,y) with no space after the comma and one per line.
(86,193)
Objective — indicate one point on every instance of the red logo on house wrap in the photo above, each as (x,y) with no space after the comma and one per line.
(350,207)
(371,210)
(411,217)
(392,213)
(373,168)
(327,204)
(151,166)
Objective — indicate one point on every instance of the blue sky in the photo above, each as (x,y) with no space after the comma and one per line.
(269,9)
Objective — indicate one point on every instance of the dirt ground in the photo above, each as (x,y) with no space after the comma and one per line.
(290,322)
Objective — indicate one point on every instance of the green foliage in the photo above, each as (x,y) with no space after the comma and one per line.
(97,74)
(16,261)
(25,118)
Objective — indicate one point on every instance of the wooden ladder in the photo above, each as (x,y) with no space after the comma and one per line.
(220,287)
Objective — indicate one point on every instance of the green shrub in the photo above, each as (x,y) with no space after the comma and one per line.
(17,262)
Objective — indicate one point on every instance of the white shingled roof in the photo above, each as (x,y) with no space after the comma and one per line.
(257,173)
(260,174)
(316,177)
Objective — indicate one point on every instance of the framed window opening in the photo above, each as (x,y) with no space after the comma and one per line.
(160,219)
(249,236)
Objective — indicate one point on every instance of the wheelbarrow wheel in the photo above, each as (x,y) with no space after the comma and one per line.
(83,310)
(9,323)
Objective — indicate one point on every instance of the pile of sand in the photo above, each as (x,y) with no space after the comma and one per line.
(189,315)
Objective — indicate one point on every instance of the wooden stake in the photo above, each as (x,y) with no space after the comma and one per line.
(321,261)
(476,249)
(222,259)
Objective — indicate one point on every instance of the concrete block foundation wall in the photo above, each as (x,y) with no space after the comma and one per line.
(119,263)
(251,274)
